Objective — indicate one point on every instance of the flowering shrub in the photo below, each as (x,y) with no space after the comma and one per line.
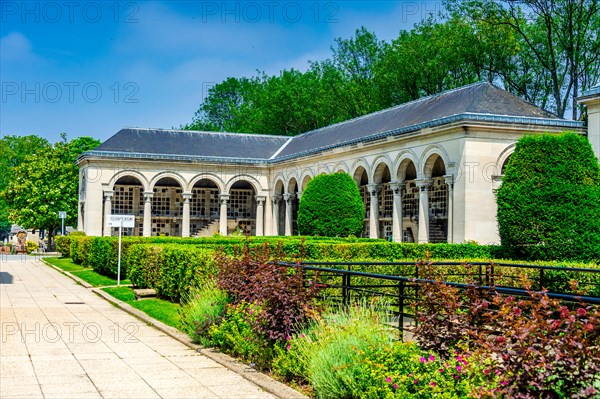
(253,276)
(545,349)
(403,370)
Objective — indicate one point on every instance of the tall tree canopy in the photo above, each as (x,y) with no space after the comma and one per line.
(560,42)
(45,183)
(545,51)
(13,151)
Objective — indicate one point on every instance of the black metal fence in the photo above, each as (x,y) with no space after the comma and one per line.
(399,282)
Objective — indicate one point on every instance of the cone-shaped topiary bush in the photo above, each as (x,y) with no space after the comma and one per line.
(331,206)
(549,201)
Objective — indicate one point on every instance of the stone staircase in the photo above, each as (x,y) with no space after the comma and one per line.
(210,229)
(437,232)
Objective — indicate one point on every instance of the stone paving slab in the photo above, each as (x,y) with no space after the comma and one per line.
(60,340)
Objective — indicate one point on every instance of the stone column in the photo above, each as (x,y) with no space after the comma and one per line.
(397,227)
(224,198)
(260,215)
(299,195)
(450,182)
(288,198)
(80,211)
(374,211)
(185,223)
(276,199)
(108,195)
(148,213)
(423,236)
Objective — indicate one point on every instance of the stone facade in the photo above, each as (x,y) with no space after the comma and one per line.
(435,182)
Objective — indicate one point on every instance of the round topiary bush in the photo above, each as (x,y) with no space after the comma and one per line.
(331,206)
(549,201)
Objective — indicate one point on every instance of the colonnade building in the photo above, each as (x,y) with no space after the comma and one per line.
(427,170)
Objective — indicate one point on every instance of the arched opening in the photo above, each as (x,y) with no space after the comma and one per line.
(167,207)
(407,173)
(383,178)
(295,202)
(362,179)
(438,202)
(204,208)
(241,211)
(128,199)
(305,182)
(506,161)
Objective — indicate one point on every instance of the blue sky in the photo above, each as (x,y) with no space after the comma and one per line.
(91,68)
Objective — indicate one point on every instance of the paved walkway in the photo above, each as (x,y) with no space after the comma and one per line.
(59,340)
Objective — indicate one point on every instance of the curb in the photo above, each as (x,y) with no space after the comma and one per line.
(265,382)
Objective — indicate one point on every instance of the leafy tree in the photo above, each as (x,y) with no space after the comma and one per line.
(331,206)
(13,151)
(549,201)
(46,183)
(560,39)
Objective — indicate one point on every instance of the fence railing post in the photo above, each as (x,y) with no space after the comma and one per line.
(401,308)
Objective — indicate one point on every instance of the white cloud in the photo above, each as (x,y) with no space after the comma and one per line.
(16,47)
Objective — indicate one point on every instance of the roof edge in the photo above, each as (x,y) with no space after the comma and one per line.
(441,121)
(468,116)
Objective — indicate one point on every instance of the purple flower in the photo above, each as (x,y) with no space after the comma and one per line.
(389,379)
(441,370)
(432,358)
(423,360)
(486,371)
(432,384)
(458,368)
(395,386)
(288,347)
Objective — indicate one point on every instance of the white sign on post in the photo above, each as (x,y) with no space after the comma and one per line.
(116,220)
(120,221)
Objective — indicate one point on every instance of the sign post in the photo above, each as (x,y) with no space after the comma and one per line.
(62,215)
(120,221)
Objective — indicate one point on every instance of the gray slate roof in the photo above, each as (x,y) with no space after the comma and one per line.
(479,101)
(478,98)
(193,143)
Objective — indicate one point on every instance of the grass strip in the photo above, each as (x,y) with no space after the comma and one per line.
(85,273)
(159,309)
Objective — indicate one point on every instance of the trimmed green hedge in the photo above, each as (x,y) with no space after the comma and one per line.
(549,201)
(331,206)
(171,265)
(170,269)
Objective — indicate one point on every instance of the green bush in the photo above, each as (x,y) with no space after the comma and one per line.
(170,269)
(143,265)
(63,245)
(549,201)
(238,335)
(32,246)
(80,249)
(331,206)
(332,349)
(204,306)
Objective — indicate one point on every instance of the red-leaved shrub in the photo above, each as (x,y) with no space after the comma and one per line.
(544,348)
(254,276)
